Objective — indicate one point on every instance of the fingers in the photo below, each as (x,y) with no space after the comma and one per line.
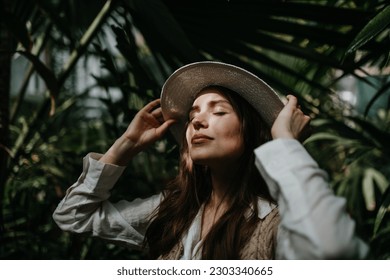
(157,113)
(164,127)
(291,121)
(302,126)
(293,104)
(153,112)
(154,109)
(157,119)
(151,105)
(292,101)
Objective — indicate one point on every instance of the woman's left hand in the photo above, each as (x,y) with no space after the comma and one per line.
(291,122)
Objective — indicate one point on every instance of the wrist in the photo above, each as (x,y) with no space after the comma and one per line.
(121,152)
(279,134)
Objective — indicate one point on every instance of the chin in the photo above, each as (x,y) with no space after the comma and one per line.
(200,161)
(201,158)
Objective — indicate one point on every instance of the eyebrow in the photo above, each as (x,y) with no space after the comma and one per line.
(212,103)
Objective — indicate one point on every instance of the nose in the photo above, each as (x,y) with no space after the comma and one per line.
(199,122)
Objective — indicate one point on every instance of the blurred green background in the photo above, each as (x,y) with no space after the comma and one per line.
(74,73)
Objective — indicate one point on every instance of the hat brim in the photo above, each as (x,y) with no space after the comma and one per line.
(180,89)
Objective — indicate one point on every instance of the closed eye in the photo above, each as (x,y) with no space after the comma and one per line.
(191,117)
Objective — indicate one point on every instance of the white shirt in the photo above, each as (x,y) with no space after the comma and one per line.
(314,223)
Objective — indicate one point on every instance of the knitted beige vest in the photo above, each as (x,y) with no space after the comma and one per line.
(261,245)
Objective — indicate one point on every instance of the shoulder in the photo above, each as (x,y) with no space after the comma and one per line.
(267,226)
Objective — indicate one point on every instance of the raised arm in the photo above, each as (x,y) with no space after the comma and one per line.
(314,222)
(85,207)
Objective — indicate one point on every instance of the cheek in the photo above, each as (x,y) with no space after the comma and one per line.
(233,136)
(236,142)
(231,127)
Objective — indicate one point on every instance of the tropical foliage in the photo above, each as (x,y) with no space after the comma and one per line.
(81,69)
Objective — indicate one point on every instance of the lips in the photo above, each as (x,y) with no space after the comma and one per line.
(200,138)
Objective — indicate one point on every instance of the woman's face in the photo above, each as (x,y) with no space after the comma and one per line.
(214,134)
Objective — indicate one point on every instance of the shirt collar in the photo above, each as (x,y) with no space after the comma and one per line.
(264,207)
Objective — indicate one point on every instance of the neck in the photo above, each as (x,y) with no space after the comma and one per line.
(216,206)
(221,180)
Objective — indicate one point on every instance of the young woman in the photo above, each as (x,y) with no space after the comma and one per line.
(246,187)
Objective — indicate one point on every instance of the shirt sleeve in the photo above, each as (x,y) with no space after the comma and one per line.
(86,209)
(314,222)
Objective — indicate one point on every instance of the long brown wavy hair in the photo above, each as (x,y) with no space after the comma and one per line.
(192,187)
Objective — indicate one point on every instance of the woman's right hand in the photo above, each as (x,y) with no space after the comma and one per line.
(147,127)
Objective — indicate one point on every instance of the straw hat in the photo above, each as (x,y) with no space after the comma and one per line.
(180,89)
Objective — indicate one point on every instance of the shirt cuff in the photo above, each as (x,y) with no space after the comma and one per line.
(100,176)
